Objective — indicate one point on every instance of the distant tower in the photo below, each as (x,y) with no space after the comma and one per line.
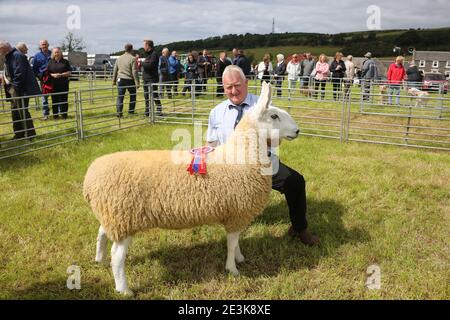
(273,25)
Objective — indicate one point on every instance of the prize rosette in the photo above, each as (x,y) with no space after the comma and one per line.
(198,162)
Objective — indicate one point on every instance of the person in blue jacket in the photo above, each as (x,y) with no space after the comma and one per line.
(40,63)
(20,83)
(174,71)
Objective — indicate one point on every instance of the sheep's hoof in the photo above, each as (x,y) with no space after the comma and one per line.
(234,271)
(240,258)
(126,292)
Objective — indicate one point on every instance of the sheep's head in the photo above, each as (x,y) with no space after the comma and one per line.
(272,119)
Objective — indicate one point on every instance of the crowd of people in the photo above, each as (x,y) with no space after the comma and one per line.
(162,71)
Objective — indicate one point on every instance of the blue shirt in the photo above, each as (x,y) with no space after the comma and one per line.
(222,119)
(40,62)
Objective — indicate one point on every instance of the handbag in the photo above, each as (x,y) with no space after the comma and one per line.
(47,83)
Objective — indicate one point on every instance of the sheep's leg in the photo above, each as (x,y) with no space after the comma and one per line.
(100,255)
(118,254)
(238,255)
(232,243)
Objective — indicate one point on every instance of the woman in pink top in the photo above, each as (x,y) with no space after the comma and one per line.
(395,75)
(322,71)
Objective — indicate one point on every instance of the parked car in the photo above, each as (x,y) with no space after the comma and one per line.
(435,82)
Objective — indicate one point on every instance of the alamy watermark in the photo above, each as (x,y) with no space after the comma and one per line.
(249,149)
(374,20)
(73,21)
(74,279)
(374,279)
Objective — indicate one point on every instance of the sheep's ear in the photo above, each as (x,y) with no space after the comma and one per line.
(264,99)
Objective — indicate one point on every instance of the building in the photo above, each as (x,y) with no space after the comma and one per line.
(433,61)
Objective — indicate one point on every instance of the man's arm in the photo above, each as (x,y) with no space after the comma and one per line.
(19,71)
(115,71)
(211,134)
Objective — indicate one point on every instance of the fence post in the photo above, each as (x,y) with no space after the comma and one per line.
(151,103)
(193,91)
(80,112)
(91,86)
(348,115)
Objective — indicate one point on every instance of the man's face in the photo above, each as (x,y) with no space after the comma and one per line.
(308,56)
(235,52)
(235,87)
(44,46)
(205,52)
(146,46)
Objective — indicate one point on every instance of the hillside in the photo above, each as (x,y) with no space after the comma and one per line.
(380,43)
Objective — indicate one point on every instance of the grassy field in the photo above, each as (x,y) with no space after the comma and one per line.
(370,204)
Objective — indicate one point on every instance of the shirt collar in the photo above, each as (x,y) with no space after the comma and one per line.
(246,102)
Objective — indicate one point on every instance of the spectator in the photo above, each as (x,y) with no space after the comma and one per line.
(174,71)
(307,66)
(321,76)
(220,67)
(414,76)
(127,78)
(40,62)
(350,72)
(279,72)
(138,63)
(20,81)
(395,75)
(293,70)
(22,47)
(191,73)
(338,72)
(204,68)
(369,73)
(241,61)
(150,76)
(265,69)
(163,71)
(59,71)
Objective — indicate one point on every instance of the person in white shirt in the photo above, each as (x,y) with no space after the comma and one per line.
(222,120)
(265,69)
(293,70)
(350,73)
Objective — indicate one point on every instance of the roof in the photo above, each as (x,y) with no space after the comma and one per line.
(432,55)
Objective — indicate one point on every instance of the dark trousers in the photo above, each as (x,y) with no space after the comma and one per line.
(154,89)
(219,91)
(60,104)
(190,85)
(279,84)
(337,88)
(123,85)
(321,83)
(174,79)
(165,86)
(22,122)
(293,186)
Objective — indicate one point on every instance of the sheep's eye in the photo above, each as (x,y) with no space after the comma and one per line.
(274,116)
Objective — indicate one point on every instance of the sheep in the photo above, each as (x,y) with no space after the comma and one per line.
(419,96)
(134,191)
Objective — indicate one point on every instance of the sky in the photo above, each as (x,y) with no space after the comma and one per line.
(106,26)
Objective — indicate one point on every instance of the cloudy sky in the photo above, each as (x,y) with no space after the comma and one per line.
(106,25)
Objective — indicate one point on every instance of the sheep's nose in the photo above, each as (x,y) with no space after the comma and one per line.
(297,132)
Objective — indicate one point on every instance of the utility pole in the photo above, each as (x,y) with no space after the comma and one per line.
(273,25)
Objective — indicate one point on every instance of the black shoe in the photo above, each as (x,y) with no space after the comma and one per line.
(304,236)
(16,137)
(56,117)
(119,115)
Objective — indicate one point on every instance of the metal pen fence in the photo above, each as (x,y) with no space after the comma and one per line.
(348,112)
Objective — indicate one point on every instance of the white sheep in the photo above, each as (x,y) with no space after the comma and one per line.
(138,190)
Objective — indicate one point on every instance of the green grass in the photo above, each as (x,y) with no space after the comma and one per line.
(370,204)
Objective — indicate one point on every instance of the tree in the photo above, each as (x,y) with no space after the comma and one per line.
(71,43)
